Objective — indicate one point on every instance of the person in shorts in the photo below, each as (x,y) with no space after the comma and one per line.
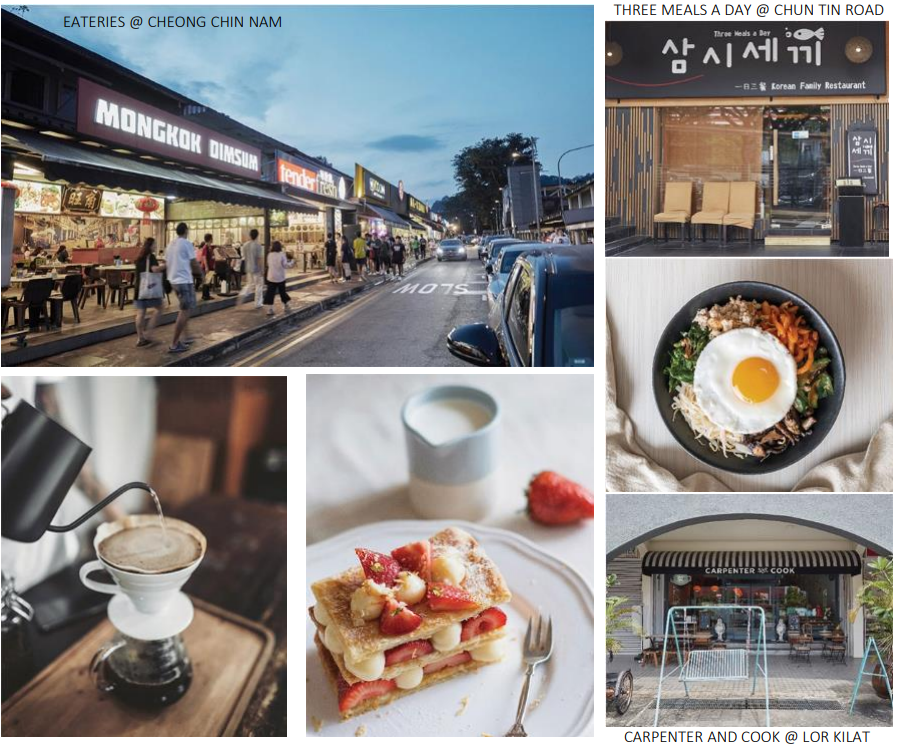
(181,265)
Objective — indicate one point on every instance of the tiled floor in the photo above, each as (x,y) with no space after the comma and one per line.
(788,680)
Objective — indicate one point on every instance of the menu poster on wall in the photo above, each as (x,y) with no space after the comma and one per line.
(38,198)
(862,149)
(81,200)
(713,59)
(123,205)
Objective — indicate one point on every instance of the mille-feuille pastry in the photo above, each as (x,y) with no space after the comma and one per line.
(398,623)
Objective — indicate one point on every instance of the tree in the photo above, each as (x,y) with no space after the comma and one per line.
(481,171)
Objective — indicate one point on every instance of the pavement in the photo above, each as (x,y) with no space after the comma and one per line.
(401,323)
(223,327)
(817,694)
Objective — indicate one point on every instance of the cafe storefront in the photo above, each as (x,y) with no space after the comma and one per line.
(785,111)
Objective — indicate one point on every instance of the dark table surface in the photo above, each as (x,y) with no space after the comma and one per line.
(244,571)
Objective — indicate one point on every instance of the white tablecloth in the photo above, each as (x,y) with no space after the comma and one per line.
(357,461)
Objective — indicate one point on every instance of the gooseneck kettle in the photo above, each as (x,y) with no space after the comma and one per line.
(40,463)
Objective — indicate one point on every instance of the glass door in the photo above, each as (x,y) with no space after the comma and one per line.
(798,141)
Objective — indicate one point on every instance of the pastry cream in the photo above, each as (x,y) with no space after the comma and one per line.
(369,669)
(448,638)
(409,679)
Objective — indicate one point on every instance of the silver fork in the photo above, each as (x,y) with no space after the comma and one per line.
(536,648)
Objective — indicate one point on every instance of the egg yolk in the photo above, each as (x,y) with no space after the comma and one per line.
(755,380)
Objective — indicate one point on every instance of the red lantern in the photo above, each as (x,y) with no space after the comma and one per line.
(697,588)
(10,184)
(147,204)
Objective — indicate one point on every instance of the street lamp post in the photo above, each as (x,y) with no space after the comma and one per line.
(560,178)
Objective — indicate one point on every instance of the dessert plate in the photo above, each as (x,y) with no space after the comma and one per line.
(482,703)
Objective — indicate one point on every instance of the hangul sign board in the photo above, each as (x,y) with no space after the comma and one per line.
(648,60)
(862,148)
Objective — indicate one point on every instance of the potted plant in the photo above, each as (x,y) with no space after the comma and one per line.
(876,597)
(618,618)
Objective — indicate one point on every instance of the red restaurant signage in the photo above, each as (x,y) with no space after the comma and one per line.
(299,177)
(108,115)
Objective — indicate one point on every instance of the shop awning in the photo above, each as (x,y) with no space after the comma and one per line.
(416,226)
(382,213)
(751,562)
(63,160)
(324,202)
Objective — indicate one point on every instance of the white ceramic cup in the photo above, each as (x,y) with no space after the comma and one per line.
(452,437)
(150,593)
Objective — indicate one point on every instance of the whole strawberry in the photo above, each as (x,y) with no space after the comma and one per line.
(555,500)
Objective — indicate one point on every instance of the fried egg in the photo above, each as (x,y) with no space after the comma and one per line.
(745,380)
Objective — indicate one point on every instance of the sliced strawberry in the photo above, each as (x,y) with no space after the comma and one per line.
(454,660)
(555,500)
(378,567)
(397,618)
(443,597)
(351,695)
(408,652)
(416,557)
(488,620)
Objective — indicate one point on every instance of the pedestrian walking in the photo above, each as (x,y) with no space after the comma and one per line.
(398,254)
(252,252)
(372,255)
(277,262)
(414,246)
(207,259)
(149,287)
(181,269)
(360,255)
(385,255)
(331,259)
(347,257)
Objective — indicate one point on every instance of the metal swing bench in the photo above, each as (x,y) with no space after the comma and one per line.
(871,644)
(731,664)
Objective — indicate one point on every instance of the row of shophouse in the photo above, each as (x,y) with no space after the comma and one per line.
(97,157)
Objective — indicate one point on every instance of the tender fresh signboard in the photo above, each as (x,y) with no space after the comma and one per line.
(714,59)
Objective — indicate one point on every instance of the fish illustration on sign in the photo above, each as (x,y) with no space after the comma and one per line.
(802,35)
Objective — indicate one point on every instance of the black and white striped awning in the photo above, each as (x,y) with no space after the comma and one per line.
(751,562)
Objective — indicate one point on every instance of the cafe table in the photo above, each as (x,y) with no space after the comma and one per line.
(244,571)
(121,268)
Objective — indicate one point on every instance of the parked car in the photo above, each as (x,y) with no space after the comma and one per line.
(483,244)
(448,250)
(499,271)
(494,248)
(546,317)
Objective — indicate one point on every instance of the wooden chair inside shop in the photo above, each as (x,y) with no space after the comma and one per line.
(879,228)
(651,653)
(676,209)
(93,283)
(835,649)
(701,641)
(119,283)
(714,206)
(69,292)
(793,638)
(742,209)
(34,299)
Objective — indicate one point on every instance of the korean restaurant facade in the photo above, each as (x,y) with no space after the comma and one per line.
(791,108)
(97,157)
(802,561)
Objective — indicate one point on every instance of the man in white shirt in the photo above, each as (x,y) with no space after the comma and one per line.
(252,253)
(180,263)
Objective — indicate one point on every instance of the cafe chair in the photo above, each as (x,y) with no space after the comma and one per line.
(714,206)
(651,654)
(34,299)
(93,283)
(69,292)
(835,651)
(676,209)
(742,209)
(118,283)
(879,226)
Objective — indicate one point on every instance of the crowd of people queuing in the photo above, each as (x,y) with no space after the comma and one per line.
(370,255)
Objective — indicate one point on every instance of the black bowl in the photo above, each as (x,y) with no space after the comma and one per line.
(826,413)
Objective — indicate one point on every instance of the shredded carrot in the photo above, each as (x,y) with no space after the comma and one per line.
(789,327)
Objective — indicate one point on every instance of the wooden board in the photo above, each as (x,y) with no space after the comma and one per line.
(182,467)
(229,653)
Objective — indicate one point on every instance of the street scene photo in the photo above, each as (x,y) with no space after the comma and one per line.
(297,186)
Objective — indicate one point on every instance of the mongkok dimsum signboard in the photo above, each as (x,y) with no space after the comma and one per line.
(701,59)
(111,116)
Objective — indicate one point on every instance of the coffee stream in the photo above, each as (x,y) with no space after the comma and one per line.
(159,511)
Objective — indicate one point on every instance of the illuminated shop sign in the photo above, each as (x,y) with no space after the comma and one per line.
(415,206)
(690,59)
(293,170)
(298,176)
(369,185)
(108,115)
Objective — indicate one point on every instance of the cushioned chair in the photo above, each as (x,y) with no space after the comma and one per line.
(714,205)
(676,208)
(742,209)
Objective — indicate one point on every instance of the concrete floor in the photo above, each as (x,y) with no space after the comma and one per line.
(789,680)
